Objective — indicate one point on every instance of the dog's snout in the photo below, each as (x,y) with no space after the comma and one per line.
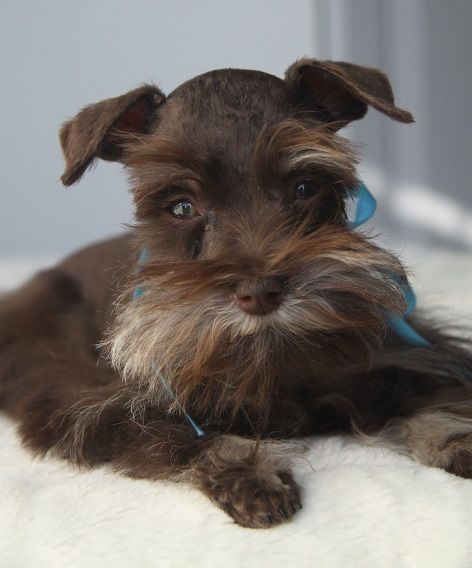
(260,297)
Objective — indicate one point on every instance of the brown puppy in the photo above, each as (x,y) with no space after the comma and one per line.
(257,311)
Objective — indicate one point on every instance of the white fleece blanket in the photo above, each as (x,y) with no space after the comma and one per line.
(362,507)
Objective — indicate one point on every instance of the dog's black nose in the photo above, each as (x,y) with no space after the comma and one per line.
(260,297)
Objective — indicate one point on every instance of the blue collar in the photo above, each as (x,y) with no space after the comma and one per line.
(365,208)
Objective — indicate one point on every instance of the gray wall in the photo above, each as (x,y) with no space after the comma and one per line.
(59,55)
(421,173)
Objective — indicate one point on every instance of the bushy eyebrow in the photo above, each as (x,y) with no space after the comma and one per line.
(159,167)
(166,155)
(293,146)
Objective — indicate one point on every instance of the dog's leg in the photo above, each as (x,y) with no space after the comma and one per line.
(66,404)
(442,438)
(251,481)
(438,436)
(424,414)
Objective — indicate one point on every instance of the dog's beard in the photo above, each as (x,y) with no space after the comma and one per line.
(186,336)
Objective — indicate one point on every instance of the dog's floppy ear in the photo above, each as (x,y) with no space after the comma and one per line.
(99,130)
(342,91)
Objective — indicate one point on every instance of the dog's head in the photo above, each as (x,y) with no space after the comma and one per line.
(240,182)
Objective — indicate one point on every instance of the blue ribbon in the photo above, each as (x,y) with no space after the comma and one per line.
(366,206)
(365,209)
(143,258)
(198,431)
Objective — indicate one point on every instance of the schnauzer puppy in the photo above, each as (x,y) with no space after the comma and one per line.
(241,309)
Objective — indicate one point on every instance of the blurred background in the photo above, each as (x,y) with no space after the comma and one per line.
(60,55)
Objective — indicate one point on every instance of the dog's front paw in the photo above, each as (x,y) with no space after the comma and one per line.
(459,455)
(254,500)
(249,483)
(442,439)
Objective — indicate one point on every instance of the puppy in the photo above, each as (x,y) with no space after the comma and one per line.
(241,309)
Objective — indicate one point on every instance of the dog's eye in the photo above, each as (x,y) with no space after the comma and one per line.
(304,189)
(184,210)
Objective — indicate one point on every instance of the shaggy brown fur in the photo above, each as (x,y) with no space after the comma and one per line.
(262,314)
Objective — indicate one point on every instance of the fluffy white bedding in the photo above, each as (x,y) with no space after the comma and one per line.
(362,507)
